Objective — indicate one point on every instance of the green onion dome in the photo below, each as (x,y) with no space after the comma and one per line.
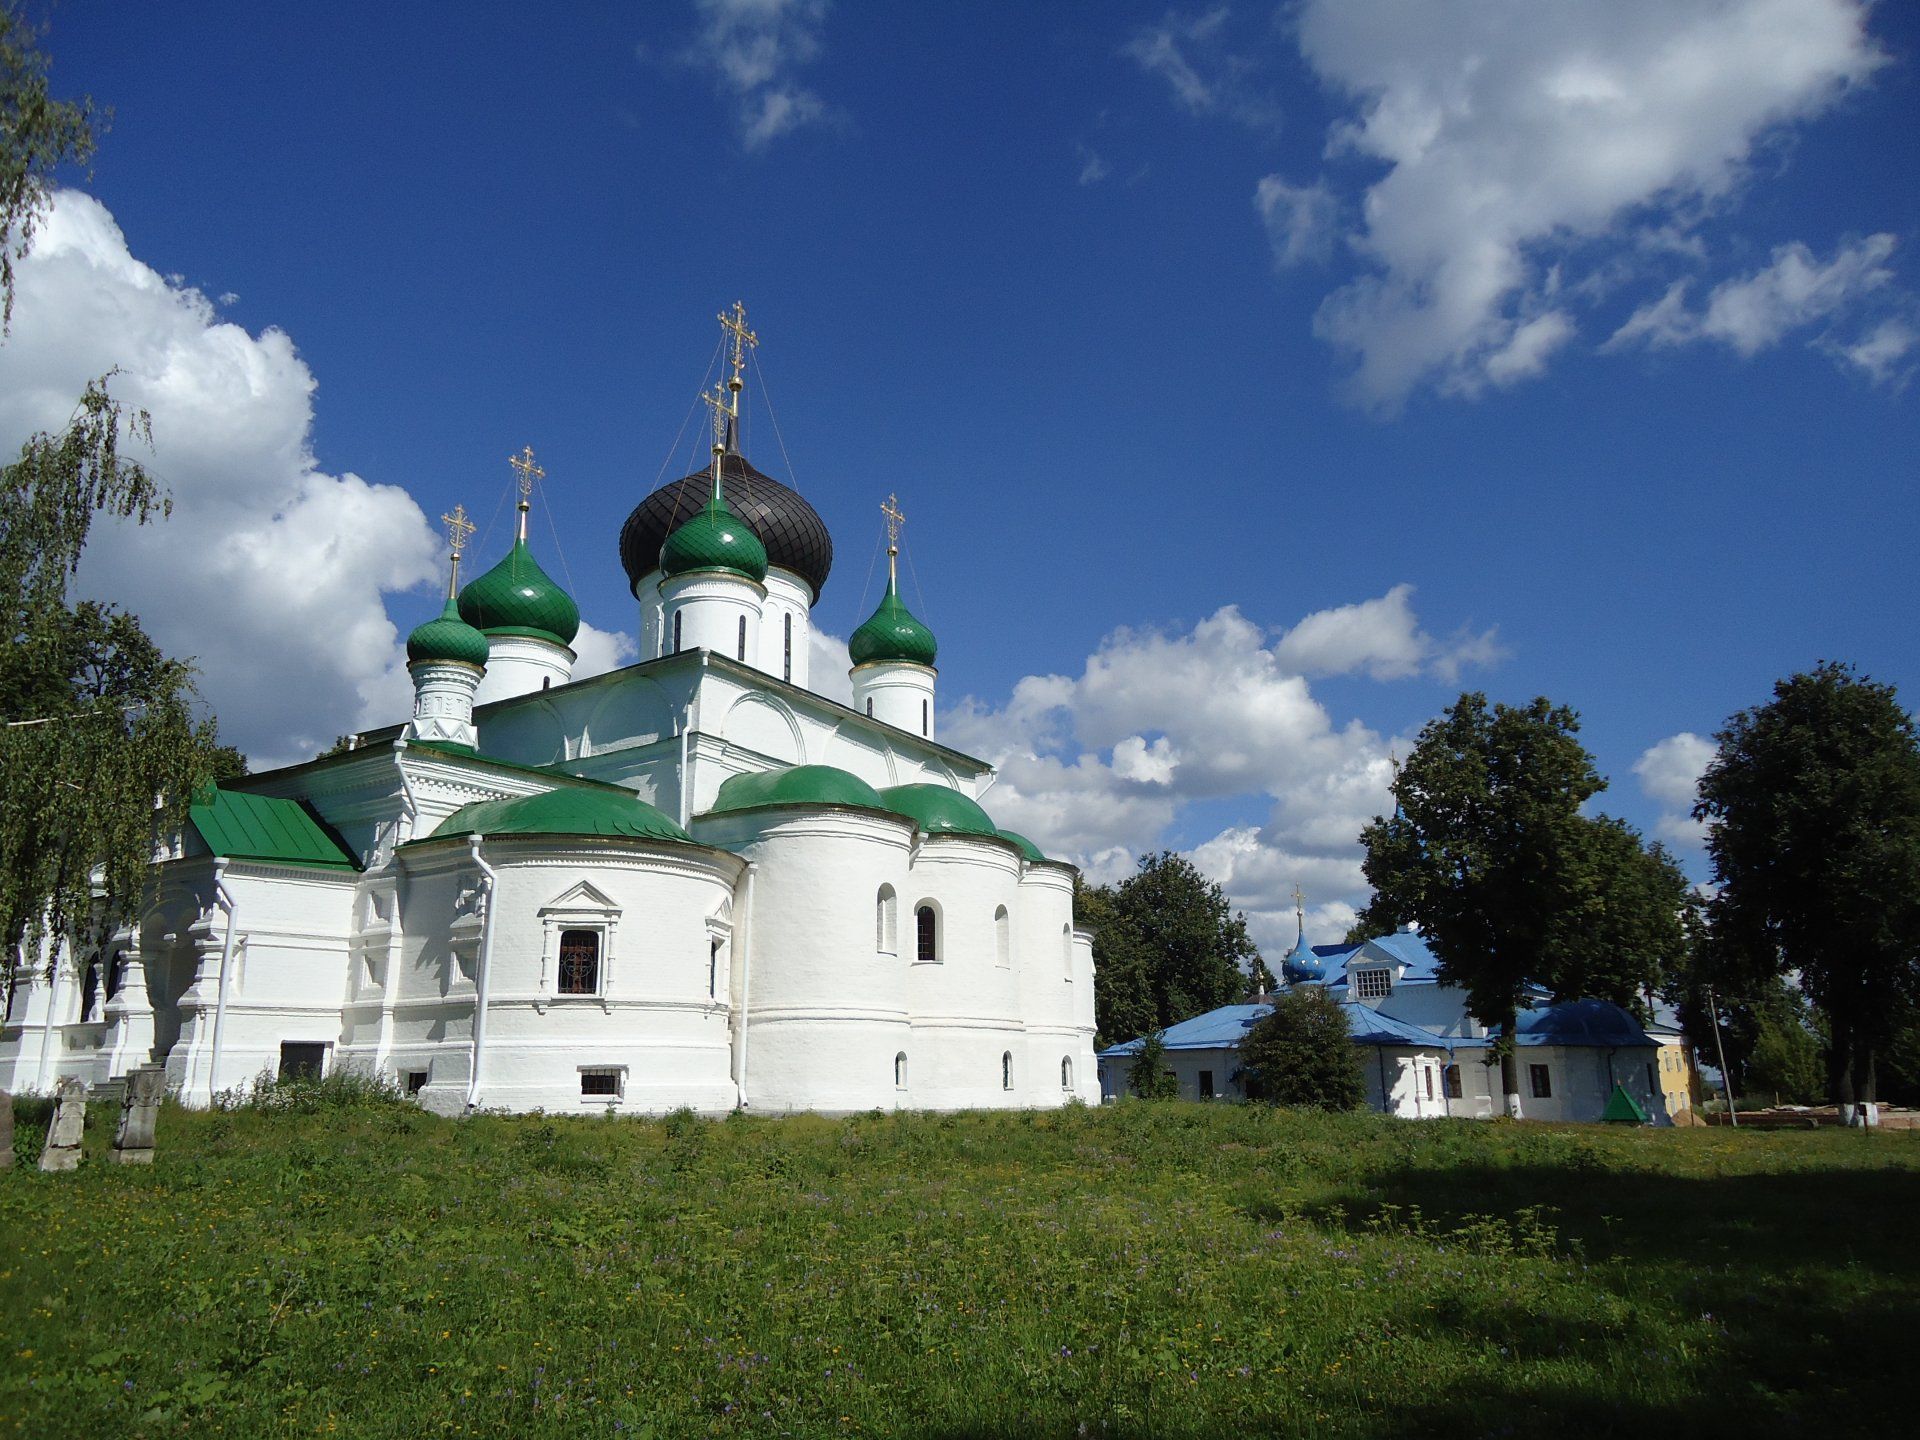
(517,597)
(715,538)
(796,785)
(892,634)
(939,811)
(447,638)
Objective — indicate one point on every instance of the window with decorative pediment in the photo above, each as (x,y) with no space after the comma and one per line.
(577,951)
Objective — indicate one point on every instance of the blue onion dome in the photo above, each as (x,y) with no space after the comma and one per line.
(517,597)
(892,634)
(447,638)
(715,538)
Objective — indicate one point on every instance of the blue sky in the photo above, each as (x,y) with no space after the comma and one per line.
(1592,325)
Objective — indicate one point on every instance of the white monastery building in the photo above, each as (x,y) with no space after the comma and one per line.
(690,882)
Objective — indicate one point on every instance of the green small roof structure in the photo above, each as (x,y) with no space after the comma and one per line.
(606,811)
(797,785)
(517,597)
(714,538)
(447,637)
(239,826)
(939,810)
(1025,846)
(892,634)
(1623,1109)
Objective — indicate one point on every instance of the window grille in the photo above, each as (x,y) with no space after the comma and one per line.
(579,962)
(1541,1081)
(927,926)
(1373,984)
(303,1059)
(1450,1082)
(417,1080)
(604,1082)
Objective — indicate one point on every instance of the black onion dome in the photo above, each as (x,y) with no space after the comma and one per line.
(795,536)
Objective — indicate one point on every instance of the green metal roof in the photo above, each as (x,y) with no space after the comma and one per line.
(1623,1109)
(517,597)
(797,785)
(447,637)
(892,633)
(568,811)
(1025,846)
(264,827)
(714,538)
(939,810)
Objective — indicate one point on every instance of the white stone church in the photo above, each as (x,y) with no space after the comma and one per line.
(690,882)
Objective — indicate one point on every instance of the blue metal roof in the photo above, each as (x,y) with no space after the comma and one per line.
(1580,1022)
(1225,1028)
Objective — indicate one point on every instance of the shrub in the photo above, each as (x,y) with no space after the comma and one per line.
(1303,1054)
(1150,1079)
(343,1089)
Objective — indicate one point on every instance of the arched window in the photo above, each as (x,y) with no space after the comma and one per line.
(869,705)
(926,926)
(1066,1073)
(89,988)
(676,632)
(743,637)
(886,922)
(924,719)
(546,682)
(1066,953)
(713,967)
(1002,937)
(579,962)
(900,1071)
(786,663)
(1006,1070)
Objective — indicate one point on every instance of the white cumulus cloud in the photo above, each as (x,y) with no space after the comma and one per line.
(1101,766)
(270,572)
(753,49)
(1512,133)
(1751,313)
(1301,220)
(1669,773)
(1381,638)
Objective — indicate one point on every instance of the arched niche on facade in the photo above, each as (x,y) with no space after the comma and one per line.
(634,711)
(765,726)
(530,733)
(854,753)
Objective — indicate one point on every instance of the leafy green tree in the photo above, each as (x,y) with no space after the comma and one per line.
(1813,804)
(1149,1076)
(1626,924)
(38,134)
(1170,947)
(1785,1064)
(1485,849)
(98,724)
(1302,1053)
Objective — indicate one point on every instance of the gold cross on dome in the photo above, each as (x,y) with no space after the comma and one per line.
(459,527)
(716,400)
(1299,900)
(896,517)
(736,326)
(528,472)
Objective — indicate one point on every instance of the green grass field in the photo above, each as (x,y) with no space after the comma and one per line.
(1149,1269)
